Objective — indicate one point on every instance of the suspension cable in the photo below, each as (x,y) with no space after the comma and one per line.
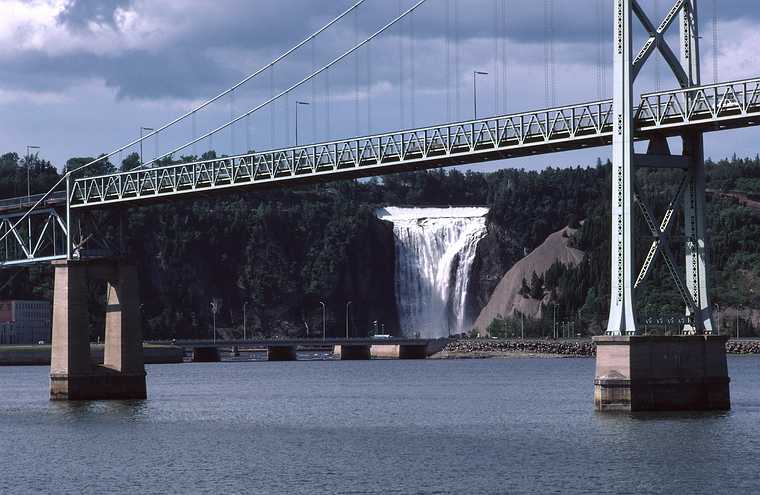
(101,158)
(299,83)
(448,61)
(716,45)
(657,84)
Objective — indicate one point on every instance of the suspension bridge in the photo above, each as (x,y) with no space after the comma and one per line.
(633,371)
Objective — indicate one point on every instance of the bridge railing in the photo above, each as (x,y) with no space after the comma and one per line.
(712,102)
(409,147)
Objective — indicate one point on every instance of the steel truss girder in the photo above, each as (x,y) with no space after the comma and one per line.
(568,127)
(40,237)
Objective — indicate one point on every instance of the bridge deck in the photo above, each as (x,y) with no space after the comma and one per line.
(707,108)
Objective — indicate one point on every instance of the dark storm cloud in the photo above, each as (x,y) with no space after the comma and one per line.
(189,66)
(79,13)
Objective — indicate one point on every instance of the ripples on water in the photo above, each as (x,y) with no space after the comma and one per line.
(473,426)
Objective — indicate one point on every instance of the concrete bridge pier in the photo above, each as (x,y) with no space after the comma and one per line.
(649,373)
(122,374)
(352,352)
(281,353)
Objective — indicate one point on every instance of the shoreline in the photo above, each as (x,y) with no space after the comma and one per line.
(551,349)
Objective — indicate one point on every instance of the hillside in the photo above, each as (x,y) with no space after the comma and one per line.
(509,296)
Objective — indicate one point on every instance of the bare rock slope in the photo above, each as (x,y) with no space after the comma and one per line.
(506,298)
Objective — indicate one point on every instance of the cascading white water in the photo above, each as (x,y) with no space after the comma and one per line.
(435,249)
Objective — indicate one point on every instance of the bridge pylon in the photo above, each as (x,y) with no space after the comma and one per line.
(635,372)
(73,376)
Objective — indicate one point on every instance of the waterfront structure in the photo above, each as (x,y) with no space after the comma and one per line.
(42,228)
(25,322)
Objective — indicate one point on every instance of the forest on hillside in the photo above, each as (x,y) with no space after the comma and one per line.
(278,254)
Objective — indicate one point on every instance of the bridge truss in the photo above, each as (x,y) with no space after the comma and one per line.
(687,112)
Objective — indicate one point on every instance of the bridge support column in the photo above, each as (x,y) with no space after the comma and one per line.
(281,353)
(206,355)
(72,375)
(647,373)
(399,351)
(353,352)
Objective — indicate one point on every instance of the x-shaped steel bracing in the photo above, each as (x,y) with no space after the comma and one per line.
(660,244)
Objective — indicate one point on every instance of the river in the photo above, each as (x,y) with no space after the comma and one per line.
(379,427)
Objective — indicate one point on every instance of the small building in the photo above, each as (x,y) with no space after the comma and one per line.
(25,322)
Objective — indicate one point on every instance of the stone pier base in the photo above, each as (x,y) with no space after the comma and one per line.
(102,384)
(72,374)
(281,353)
(647,373)
(352,352)
(206,355)
(399,351)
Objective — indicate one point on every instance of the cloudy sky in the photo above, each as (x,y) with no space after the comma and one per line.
(80,77)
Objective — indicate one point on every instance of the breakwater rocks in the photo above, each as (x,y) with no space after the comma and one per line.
(465,348)
(743,347)
(489,348)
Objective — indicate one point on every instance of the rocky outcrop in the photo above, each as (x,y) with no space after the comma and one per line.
(506,298)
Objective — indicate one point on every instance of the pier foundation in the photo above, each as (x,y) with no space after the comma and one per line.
(648,373)
(352,352)
(399,351)
(72,375)
(206,355)
(281,353)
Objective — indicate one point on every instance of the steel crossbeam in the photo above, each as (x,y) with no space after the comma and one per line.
(548,130)
(41,237)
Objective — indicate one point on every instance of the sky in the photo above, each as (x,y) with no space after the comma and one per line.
(80,77)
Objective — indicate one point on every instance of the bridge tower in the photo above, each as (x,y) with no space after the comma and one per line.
(637,372)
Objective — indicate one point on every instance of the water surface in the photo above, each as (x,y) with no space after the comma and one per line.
(470,426)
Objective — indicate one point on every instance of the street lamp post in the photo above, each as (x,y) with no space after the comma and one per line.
(28,168)
(149,129)
(244,304)
(738,313)
(475,75)
(299,103)
(214,309)
(554,327)
(348,306)
(717,319)
(324,319)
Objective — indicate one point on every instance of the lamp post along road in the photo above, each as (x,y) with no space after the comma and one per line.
(244,304)
(324,319)
(348,307)
(475,75)
(28,168)
(298,104)
(149,129)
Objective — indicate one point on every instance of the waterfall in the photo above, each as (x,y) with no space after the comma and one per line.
(435,249)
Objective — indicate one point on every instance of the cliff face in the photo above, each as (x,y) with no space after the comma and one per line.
(506,298)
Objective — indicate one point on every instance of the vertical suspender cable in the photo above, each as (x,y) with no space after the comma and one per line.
(286,112)
(656,55)
(402,99)
(314,106)
(328,102)
(357,58)
(505,54)
(413,70)
(599,60)
(448,61)
(194,125)
(716,46)
(552,55)
(547,96)
(271,109)
(232,127)
(457,75)
(369,88)
(496,54)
